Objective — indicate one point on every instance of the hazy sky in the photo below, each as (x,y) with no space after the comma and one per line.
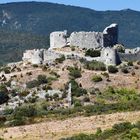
(94,4)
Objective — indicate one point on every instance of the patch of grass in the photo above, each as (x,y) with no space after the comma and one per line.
(97,78)
(95,65)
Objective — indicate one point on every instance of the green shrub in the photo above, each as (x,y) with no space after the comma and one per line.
(24,93)
(32,84)
(3,97)
(77,103)
(61,59)
(122,126)
(130,63)
(7,70)
(93,53)
(95,65)
(125,70)
(74,72)
(42,79)
(97,78)
(105,74)
(86,99)
(25,111)
(72,48)
(76,89)
(35,65)
(55,96)
(112,69)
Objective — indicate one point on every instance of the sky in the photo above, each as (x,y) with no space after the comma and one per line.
(94,4)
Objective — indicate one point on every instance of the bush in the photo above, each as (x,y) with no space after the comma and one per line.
(25,111)
(138,62)
(74,72)
(86,99)
(105,74)
(130,63)
(7,70)
(76,89)
(35,65)
(72,48)
(97,78)
(95,65)
(3,97)
(93,53)
(77,103)
(124,70)
(61,59)
(112,69)
(122,126)
(32,84)
(42,79)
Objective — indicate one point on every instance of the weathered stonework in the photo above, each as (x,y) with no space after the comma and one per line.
(58,39)
(95,40)
(110,35)
(87,39)
(110,56)
(34,56)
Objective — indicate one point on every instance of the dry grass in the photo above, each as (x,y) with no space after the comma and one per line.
(53,130)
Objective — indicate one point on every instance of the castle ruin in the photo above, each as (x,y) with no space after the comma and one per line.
(89,40)
(103,41)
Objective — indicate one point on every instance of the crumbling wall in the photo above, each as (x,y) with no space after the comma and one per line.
(110,35)
(87,40)
(95,40)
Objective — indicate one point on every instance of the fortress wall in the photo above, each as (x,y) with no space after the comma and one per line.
(110,56)
(130,57)
(58,39)
(87,39)
(110,35)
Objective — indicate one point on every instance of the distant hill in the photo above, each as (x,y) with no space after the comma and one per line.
(35,20)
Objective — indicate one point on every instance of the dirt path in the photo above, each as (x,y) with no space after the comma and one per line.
(53,130)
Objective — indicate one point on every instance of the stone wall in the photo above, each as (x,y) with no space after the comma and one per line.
(108,37)
(87,39)
(58,39)
(33,56)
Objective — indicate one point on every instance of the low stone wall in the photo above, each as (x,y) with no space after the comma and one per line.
(130,57)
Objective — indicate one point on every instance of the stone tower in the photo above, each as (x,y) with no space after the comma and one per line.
(110,35)
(37,57)
(58,39)
(110,56)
